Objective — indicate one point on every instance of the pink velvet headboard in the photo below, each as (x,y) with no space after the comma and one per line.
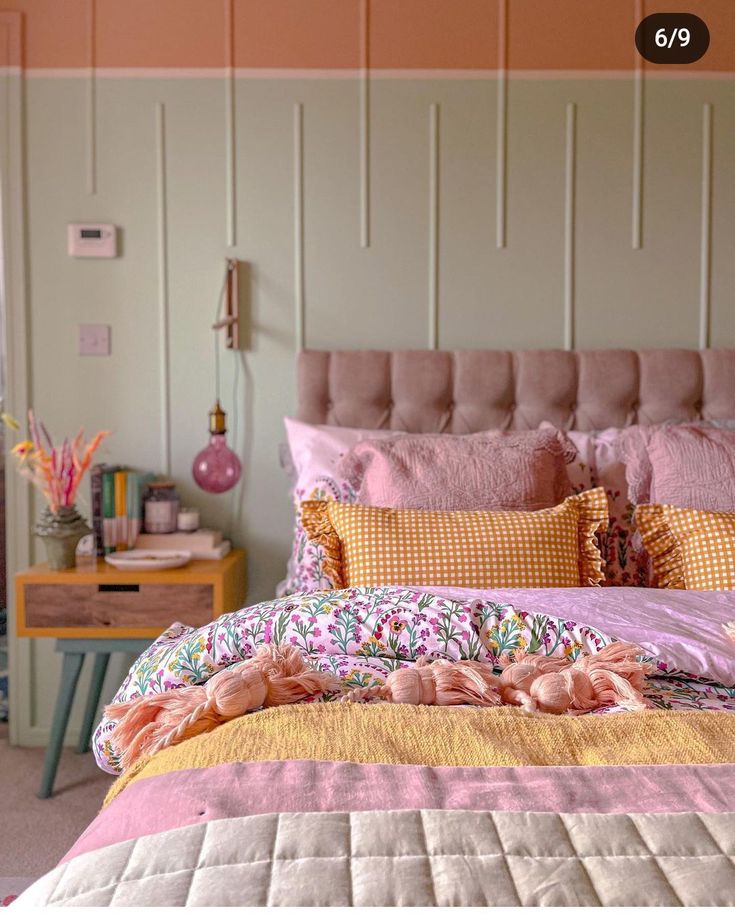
(472,390)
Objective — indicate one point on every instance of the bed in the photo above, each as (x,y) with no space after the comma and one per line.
(345,803)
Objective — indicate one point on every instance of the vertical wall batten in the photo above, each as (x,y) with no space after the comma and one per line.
(637,212)
(706,237)
(16,396)
(569,205)
(638,103)
(92,97)
(365,123)
(501,126)
(433,226)
(230,156)
(298,223)
(163,299)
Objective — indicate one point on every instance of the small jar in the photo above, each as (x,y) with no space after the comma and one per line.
(161,508)
(188,520)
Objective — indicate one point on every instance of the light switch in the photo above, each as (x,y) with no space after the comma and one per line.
(94,339)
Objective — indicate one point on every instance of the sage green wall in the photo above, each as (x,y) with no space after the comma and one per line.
(354,297)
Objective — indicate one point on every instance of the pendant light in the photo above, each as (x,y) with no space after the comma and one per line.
(216,467)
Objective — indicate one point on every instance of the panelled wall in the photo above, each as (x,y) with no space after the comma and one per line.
(449,209)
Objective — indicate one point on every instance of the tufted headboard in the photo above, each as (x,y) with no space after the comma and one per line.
(472,390)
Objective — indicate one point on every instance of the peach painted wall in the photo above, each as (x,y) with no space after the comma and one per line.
(325,34)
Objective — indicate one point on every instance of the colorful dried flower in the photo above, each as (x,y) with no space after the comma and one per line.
(55,470)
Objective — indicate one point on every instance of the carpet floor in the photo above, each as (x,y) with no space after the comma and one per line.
(35,834)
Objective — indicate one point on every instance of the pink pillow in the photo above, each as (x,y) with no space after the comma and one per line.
(689,466)
(503,471)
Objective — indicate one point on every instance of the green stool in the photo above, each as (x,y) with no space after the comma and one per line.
(74,651)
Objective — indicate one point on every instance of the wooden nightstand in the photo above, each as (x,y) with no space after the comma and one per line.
(96,609)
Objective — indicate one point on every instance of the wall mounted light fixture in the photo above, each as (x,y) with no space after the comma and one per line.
(231,319)
(216,467)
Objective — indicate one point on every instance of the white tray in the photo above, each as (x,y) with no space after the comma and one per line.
(150,560)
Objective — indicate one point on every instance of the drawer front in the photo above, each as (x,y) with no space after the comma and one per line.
(145,606)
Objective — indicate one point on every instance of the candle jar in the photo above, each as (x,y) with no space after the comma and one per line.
(161,508)
(188,520)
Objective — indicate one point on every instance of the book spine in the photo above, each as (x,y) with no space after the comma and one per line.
(121,509)
(95,480)
(134,506)
(108,512)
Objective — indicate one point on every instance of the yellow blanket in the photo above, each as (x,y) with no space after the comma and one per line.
(432,736)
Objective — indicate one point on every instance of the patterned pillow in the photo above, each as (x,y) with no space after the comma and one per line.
(598,463)
(551,548)
(689,549)
(311,460)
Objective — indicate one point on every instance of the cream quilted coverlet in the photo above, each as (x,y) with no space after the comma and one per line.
(411,857)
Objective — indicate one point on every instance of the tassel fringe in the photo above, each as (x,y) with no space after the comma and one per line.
(279,675)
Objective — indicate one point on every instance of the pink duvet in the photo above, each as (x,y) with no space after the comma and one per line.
(683,629)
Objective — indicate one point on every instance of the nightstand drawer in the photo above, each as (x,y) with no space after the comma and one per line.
(126,606)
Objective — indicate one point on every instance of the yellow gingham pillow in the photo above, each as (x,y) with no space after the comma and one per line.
(551,548)
(689,549)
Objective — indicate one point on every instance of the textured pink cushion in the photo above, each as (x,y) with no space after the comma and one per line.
(689,466)
(489,470)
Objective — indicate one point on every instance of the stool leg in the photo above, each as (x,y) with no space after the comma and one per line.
(101,660)
(72,666)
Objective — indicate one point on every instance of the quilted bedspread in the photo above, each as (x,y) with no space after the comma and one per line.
(330,803)
(413,857)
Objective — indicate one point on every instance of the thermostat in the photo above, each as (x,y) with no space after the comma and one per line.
(91,239)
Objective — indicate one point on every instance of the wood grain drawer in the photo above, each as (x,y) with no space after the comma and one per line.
(126,606)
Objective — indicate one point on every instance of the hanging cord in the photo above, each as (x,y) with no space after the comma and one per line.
(235,386)
(236,504)
(217,316)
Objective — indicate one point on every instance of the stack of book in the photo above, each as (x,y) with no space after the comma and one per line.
(202,544)
(117,506)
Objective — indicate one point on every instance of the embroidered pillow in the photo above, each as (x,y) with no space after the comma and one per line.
(551,548)
(691,466)
(521,471)
(689,549)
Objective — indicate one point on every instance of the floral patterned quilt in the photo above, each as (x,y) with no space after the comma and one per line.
(361,634)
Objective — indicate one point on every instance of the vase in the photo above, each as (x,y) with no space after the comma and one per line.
(61,531)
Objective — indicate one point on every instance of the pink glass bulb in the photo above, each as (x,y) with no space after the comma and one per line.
(217,468)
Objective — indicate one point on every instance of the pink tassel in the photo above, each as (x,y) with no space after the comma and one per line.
(613,676)
(274,676)
(439,683)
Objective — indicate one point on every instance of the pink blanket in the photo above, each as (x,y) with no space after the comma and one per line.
(190,796)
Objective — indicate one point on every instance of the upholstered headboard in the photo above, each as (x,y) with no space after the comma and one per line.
(472,390)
